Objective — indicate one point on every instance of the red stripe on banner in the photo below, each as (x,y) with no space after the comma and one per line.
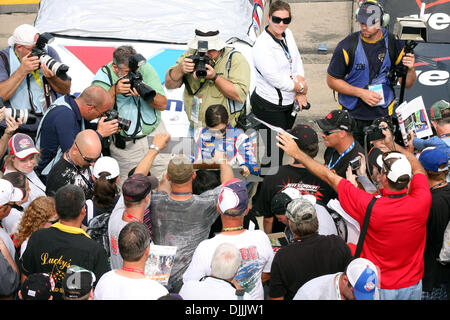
(432,4)
(418,64)
(92,57)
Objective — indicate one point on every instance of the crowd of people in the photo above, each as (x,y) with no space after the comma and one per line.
(84,204)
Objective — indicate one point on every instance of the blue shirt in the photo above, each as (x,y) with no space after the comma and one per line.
(60,129)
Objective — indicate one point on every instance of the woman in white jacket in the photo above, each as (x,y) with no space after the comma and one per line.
(280,81)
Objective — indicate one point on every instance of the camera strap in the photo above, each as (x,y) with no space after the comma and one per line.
(30,97)
(188,87)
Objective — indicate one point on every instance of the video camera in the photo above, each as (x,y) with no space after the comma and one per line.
(113,114)
(136,81)
(57,67)
(27,118)
(200,59)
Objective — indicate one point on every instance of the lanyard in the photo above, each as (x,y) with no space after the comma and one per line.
(445,135)
(133,218)
(88,183)
(341,156)
(285,48)
(336,286)
(133,270)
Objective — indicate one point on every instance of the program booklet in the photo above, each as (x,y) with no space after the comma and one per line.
(413,118)
(160,262)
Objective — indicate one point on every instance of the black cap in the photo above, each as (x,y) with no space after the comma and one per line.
(336,119)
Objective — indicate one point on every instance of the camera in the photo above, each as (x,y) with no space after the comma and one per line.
(374,131)
(27,118)
(200,59)
(113,114)
(355,164)
(135,78)
(57,67)
(296,108)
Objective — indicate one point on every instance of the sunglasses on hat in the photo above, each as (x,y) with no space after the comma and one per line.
(278,20)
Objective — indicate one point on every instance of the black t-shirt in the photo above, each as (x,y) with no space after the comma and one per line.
(331,155)
(52,250)
(375,53)
(301,261)
(290,177)
(62,173)
(435,273)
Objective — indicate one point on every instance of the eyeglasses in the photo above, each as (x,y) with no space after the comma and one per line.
(277,20)
(53,221)
(328,132)
(88,160)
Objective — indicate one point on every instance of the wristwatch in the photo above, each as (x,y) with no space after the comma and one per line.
(215,78)
(302,87)
(152,146)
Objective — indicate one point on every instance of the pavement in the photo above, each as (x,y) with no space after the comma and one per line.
(314,22)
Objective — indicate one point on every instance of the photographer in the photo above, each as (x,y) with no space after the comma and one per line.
(25,82)
(138,96)
(212,74)
(68,116)
(364,59)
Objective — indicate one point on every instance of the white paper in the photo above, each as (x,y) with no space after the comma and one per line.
(276,129)
(160,262)
(378,88)
(413,117)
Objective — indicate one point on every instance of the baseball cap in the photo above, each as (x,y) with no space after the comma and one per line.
(305,135)
(180,169)
(400,167)
(205,33)
(138,186)
(77,282)
(106,164)
(301,211)
(21,146)
(369,14)
(24,35)
(336,119)
(363,276)
(432,158)
(233,195)
(9,193)
(374,153)
(38,286)
(437,108)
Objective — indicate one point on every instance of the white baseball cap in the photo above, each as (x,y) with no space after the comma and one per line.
(106,164)
(9,193)
(400,167)
(364,277)
(24,35)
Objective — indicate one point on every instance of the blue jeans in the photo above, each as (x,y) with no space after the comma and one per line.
(410,293)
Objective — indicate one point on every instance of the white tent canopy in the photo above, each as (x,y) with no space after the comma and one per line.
(170,21)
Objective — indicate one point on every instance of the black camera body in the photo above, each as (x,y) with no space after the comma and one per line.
(374,132)
(355,164)
(113,114)
(135,78)
(200,59)
(57,67)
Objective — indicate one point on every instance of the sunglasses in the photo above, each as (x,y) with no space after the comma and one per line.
(53,221)
(328,132)
(88,160)
(278,20)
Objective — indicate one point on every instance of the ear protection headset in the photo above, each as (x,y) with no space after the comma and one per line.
(384,17)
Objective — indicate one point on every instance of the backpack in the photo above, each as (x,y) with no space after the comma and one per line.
(98,230)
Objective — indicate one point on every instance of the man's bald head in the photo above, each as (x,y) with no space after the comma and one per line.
(87,145)
(93,102)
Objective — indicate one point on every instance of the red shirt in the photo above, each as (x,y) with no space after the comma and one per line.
(396,235)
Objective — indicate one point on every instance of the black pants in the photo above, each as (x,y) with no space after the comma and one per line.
(273,114)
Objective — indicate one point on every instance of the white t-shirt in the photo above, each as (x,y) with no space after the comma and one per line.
(320,288)
(210,289)
(37,188)
(256,253)
(326,223)
(115,225)
(12,220)
(113,286)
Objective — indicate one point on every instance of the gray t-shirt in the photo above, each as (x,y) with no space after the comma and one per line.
(183,224)
(115,225)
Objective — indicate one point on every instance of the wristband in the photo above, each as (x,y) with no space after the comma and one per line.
(154,147)
(215,78)
(302,88)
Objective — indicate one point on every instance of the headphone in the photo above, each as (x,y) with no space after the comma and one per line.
(384,17)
